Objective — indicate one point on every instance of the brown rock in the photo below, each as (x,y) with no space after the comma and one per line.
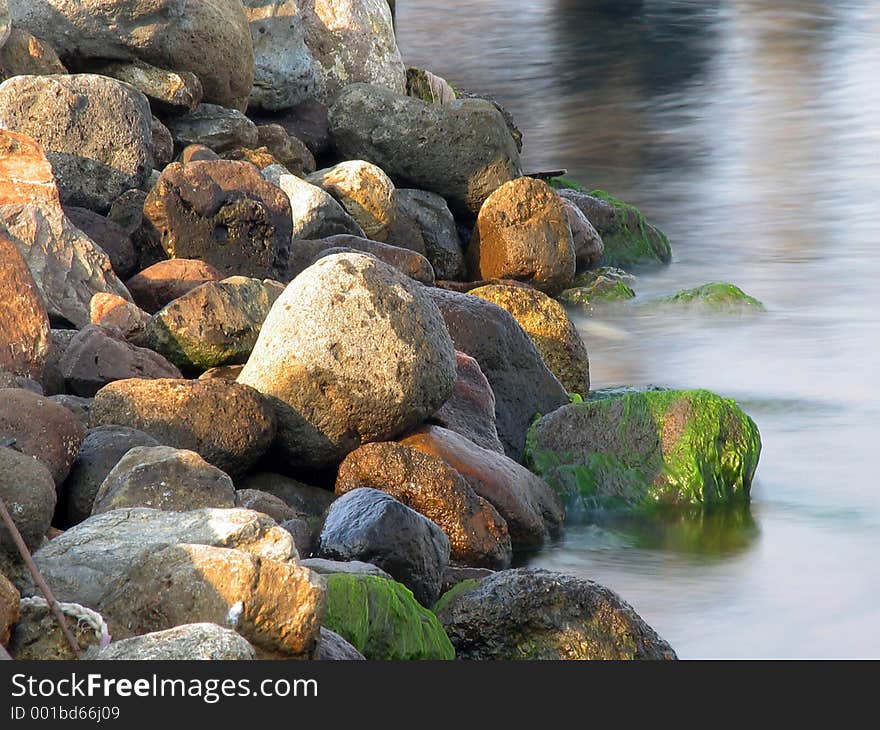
(477,534)
(266,503)
(310,503)
(110,310)
(77,405)
(286,148)
(172,92)
(28,491)
(198,153)
(25,174)
(163,282)
(110,236)
(8,608)
(222,212)
(306,121)
(261,157)
(229,424)
(37,635)
(163,146)
(25,55)
(223,372)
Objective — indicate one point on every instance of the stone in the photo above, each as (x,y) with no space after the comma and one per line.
(189,642)
(165,281)
(77,405)
(5,22)
(455,574)
(209,38)
(628,238)
(101,450)
(24,323)
(645,449)
(532,510)
(461,151)
(382,620)
(215,127)
(588,245)
(366,193)
(51,378)
(603,285)
(26,175)
(301,533)
(113,312)
(522,233)
(9,610)
(308,502)
(332,647)
(25,55)
(221,212)
(88,561)
(717,296)
(214,324)
(286,148)
(538,614)
(10,380)
(28,491)
(437,226)
(478,535)
(549,328)
(111,237)
(350,567)
(369,525)
(40,429)
(268,504)
(470,410)
(228,424)
(223,372)
(304,253)
(163,150)
(428,87)
(277,606)
(307,122)
(197,153)
(259,157)
(97,356)
(170,92)
(95,132)
(37,635)
(165,478)
(521,382)
(308,49)
(314,212)
(353,351)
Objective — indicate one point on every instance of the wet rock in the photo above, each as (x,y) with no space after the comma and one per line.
(332,647)
(25,55)
(521,382)
(286,148)
(717,296)
(605,284)
(266,503)
(163,282)
(111,237)
(215,127)
(199,641)
(228,424)
(460,150)
(171,92)
(114,312)
(588,245)
(537,614)
(221,212)
(8,608)
(28,491)
(369,525)
(432,216)
(477,534)
(351,352)
(165,478)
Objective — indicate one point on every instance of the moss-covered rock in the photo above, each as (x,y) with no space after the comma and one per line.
(647,449)
(606,284)
(566,183)
(629,238)
(716,296)
(456,590)
(382,620)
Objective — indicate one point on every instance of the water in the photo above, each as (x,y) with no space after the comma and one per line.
(749,131)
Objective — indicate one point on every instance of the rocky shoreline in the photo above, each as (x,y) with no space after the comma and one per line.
(286,370)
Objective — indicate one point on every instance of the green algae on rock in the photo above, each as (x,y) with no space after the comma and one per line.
(382,620)
(602,285)
(716,296)
(629,238)
(647,449)
(565,183)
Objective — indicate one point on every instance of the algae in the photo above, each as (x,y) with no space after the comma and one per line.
(716,295)
(629,239)
(454,592)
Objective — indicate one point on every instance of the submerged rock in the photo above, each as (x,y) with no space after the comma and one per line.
(717,296)
(605,284)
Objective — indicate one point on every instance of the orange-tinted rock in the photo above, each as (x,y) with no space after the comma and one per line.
(165,281)
(8,608)
(110,310)
(25,174)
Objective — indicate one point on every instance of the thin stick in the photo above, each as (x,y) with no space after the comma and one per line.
(38,579)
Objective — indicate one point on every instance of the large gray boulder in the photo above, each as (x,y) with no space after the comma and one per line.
(353,351)
(202,641)
(435,222)
(215,127)
(209,38)
(308,49)
(462,151)
(95,131)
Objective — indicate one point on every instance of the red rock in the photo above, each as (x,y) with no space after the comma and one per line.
(161,283)
(25,174)
(110,310)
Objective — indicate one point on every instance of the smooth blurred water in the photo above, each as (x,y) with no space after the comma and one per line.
(749,131)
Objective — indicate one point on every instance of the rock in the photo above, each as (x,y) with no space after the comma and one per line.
(521,382)
(26,55)
(228,424)
(351,352)
(588,245)
(627,236)
(382,620)
(460,150)
(77,405)
(222,212)
(25,174)
(215,127)
(349,567)
(428,87)
(306,49)
(531,509)
(163,150)
(309,503)
(88,561)
(277,606)
(301,533)
(24,324)
(268,504)
(369,525)
(37,635)
(456,574)
(438,230)
(537,614)
(304,253)
(165,478)
(717,296)
(307,121)
(170,92)
(97,356)
(114,312)
(8,608)
(259,157)
(111,237)
(161,283)
(209,38)
(5,22)
(200,641)
(477,534)
(51,378)
(286,148)
(314,212)
(644,449)
(9,380)
(522,233)
(95,131)
(366,193)
(470,410)
(332,647)
(605,284)
(27,488)
(214,324)
(551,331)
(101,450)
(197,153)
(223,372)
(40,429)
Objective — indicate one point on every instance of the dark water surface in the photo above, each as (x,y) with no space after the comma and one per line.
(749,131)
